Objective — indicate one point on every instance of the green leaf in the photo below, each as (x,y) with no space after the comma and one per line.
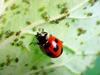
(74,22)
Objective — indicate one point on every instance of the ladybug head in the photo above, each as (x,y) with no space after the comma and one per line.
(41,37)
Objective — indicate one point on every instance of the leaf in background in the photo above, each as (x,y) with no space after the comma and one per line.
(76,23)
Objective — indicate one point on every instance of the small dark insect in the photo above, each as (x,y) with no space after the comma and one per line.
(34,67)
(28,22)
(16,59)
(81,31)
(18,33)
(8,33)
(8,60)
(2,64)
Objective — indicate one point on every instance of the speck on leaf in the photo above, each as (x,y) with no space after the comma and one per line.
(80,31)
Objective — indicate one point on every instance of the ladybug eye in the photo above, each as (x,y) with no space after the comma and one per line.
(56,40)
(56,48)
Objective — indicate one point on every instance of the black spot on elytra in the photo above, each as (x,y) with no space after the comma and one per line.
(56,48)
(50,54)
(56,40)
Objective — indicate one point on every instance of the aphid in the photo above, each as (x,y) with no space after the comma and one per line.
(16,39)
(26,1)
(18,33)
(16,59)
(14,6)
(92,2)
(28,22)
(22,37)
(98,22)
(88,14)
(45,16)
(81,31)
(8,60)
(8,33)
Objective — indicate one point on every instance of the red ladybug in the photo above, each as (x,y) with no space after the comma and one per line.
(50,45)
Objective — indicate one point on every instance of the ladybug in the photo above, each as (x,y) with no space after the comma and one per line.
(49,44)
